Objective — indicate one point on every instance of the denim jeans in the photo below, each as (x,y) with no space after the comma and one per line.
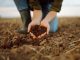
(54,25)
(23,4)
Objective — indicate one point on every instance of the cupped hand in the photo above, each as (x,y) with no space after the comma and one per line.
(32,23)
(46,25)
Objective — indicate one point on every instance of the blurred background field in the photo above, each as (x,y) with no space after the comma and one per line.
(70,8)
(62,20)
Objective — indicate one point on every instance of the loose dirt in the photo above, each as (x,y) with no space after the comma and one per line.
(61,45)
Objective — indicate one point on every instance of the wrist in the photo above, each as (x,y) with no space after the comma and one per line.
(37,15)
(37,19)
(50,16)
(35,22)
(45,20)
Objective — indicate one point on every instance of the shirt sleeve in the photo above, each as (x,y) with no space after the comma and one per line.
(56,5)
(35,4)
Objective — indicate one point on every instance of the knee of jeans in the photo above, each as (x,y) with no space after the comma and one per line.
(54,25)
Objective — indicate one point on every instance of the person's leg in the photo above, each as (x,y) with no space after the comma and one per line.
(54,25)
(54,22)
(23,8)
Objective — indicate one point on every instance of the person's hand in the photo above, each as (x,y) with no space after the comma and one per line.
(33,22)
(45,23)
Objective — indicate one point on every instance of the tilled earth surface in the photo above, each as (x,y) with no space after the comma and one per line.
(61,45)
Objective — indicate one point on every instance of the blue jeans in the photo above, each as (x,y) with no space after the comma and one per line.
(23,4)
(54,25)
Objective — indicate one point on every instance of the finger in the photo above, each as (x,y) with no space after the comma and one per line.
(48,29)
(29,27)
(39,36)
(32,35)
(42,35)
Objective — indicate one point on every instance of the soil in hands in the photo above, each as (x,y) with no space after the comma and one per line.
(37,30)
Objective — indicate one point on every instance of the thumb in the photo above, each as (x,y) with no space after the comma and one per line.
(48,29)
(29,27)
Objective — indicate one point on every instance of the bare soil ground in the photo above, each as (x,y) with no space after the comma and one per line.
(61,45)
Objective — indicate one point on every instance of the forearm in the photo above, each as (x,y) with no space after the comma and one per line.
(50,16)
(37,15)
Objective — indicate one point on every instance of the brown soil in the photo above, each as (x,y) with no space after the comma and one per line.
(61,45)
(37,30)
